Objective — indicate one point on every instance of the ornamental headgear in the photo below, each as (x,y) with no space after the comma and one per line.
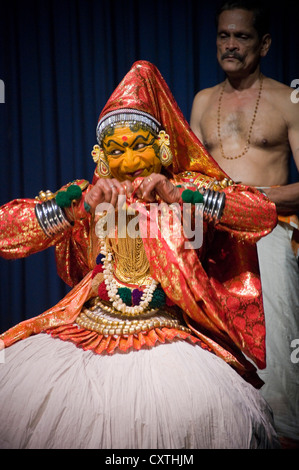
(144,96)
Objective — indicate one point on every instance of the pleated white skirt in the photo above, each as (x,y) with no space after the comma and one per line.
(54,395)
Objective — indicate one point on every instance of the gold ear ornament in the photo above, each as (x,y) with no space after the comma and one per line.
(165,154)
(100,159)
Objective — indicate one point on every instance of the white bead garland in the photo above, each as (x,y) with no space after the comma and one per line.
(112,286)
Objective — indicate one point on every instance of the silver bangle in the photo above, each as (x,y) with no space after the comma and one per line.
(51,217)
(213,204)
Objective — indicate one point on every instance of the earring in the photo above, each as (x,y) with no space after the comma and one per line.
(165,154)
(99,158)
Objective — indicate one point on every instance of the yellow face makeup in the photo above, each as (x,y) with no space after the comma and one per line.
(131,153)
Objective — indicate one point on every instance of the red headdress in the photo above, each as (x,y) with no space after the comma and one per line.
(144,95)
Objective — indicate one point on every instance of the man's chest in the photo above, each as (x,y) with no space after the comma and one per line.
(237,123)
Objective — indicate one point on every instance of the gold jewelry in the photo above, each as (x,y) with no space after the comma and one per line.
(247,145)
(107,321)
(149,179)
(165,154)
(99,157)
(131,263)
(45,195)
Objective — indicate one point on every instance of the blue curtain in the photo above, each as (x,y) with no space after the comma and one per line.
(59,61)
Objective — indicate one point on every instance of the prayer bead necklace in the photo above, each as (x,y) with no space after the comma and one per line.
(247,145)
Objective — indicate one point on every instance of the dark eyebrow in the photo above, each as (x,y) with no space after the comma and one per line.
(111,141)
(142,137)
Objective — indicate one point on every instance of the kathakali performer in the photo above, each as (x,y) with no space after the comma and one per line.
(154,346)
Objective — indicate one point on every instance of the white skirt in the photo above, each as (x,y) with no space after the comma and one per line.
(54,395)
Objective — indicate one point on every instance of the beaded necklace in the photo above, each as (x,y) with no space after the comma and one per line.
(247,145)
(113,288)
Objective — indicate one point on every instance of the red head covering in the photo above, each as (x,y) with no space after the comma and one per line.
(144,89)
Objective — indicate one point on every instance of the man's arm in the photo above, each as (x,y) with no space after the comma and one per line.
(286,197)
(196,112)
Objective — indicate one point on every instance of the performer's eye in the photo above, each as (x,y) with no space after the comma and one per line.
(115,152)
(139,146)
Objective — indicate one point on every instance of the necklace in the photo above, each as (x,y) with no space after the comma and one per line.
(247,145)
(105,320)
(114,297)
(112,286)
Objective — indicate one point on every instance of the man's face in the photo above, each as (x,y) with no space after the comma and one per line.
(238,46)
(131,153)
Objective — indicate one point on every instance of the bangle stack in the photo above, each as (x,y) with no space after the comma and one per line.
(51,217)
(213,204)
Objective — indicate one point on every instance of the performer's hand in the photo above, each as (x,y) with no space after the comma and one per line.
(157,184)
(107,190)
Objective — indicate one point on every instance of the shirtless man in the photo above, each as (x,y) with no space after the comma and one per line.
(250,125)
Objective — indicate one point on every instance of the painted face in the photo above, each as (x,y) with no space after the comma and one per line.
(238,45)
(131,153)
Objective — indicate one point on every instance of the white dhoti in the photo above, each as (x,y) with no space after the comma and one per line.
(280,284)
(176,395)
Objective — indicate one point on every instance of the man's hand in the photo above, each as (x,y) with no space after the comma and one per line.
(107,190)
(157,184)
